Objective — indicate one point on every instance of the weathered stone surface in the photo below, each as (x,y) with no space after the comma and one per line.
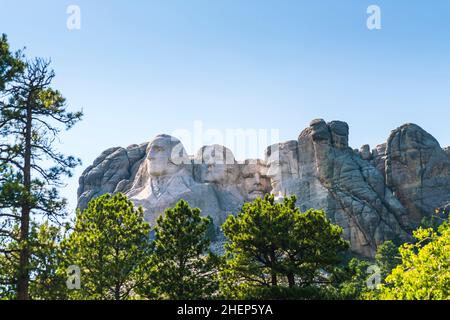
(216,166)
(379,157)
(417,171)
(113,171)
(447,150)
(165,176)
(283,166)
(365,152)
(374,195)
(254,179)
(348,188)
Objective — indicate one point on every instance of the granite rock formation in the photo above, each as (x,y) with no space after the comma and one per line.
(375,195)
(417,170)
(447,150)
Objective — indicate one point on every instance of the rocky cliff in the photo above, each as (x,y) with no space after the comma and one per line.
(375,195)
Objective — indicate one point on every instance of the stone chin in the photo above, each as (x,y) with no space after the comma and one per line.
(160,168)
(256,194)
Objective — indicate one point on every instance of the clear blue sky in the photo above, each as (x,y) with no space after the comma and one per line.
(139,68)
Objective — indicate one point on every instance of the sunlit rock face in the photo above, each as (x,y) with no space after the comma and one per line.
(216,166)
(283,167)
(375,195)
(255,182)
(417,171)
(348,188)
(113,171)
(165,176)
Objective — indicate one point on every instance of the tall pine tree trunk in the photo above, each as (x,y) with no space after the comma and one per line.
(24,274)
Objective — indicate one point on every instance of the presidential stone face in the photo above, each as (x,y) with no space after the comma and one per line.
(283,166)
(256,183)
(216,164)
(373,196)
(165,155)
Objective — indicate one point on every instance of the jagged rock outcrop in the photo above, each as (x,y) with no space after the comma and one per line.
(375,195)
(379,157)
(417,171)
(447,150)
(333,177)
(113,171)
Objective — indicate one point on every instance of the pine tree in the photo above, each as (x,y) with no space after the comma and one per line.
(45,258)
(11,63)
(387,258)
(31,116)
(46,282)
(181,265)
(110,245)
(272,245)
(10,66)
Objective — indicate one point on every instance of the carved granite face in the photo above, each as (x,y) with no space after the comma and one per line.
(282,164)
(377,196)
(165,155)
(216,164)
(256,183)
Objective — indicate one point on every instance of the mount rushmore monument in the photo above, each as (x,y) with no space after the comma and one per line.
(375,195)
